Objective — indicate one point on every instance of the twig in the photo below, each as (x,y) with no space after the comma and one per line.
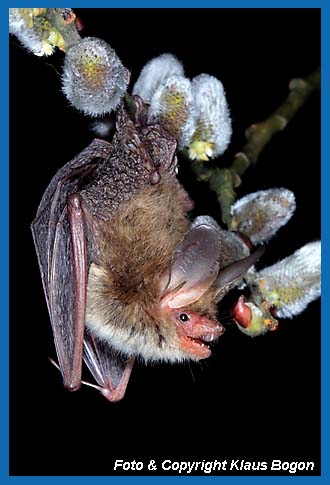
(224,181)
(63,19)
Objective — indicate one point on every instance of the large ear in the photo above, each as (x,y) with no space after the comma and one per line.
(195,264)
(229,274)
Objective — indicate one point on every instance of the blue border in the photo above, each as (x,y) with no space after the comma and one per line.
(4,208)
(175,4)
(325,451)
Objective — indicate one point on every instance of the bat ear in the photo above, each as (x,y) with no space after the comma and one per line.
(229,274)
(195,264)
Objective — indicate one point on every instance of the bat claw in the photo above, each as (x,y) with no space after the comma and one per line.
(54,363)
(111,395)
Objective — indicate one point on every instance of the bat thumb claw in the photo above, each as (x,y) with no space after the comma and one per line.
(54,363)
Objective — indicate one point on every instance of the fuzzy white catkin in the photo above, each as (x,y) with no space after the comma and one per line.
(212,113)
(32,37)
(94,79)
(261,214)
(172,106)
(155,73)
(294,282)
(16,21)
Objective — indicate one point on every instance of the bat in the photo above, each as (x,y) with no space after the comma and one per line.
(125,272)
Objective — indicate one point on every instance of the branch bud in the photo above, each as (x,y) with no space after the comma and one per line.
(252,318)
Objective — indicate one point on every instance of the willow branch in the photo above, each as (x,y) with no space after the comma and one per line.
(63,19)
(224,181)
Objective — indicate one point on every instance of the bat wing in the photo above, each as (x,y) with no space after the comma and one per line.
(110,370)
(60,241)
(53,204)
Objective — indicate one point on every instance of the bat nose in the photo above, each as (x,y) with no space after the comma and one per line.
(217,332)
(211,330)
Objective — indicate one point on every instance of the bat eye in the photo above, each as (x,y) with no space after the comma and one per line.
(183,317)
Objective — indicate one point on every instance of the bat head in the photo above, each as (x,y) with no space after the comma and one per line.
(190,288)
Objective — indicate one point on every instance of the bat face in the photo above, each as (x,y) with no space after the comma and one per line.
(125,272)
(194,332)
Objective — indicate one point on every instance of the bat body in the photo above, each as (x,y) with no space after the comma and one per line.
(125,272)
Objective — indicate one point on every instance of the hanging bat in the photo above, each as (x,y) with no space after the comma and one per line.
(124,271)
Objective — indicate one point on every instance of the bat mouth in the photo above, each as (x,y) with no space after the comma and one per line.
(199,347)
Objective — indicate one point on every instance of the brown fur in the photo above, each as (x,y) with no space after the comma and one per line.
(138,243)
(136,248)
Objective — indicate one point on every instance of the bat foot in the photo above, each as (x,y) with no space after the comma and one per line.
(111,393)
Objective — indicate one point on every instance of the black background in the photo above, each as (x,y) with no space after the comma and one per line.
(254,399)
